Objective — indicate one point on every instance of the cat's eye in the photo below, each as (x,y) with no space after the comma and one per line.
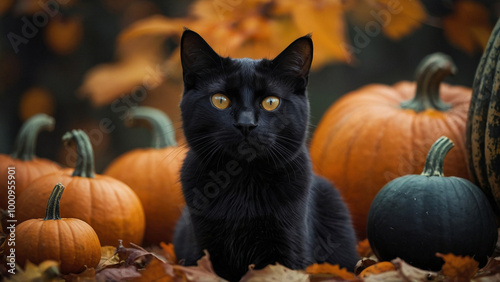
(270,103)
(220,101)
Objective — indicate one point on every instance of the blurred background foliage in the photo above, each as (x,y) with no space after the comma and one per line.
(86,62)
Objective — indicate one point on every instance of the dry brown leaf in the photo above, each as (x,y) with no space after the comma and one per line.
(411,273)
(331,270)
(47,271)
(88,275)
(156,270)
(469,26)
(123,273)
(492,267)
(458,267)
(202,272)
(109,257)
(276,272)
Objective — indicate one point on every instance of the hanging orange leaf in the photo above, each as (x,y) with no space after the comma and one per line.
(334,270)
(469,26)
(394,18)
(458,267)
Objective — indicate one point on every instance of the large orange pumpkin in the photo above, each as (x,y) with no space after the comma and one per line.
(157,184)
(380,132)
(108,205)
(70,241)
(25,166)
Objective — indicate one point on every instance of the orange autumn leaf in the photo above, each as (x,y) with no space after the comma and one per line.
(469,26)
(458,267)
(395,19)
(404,17)
(168,252)
(326,268)
(363,248)
(377,268)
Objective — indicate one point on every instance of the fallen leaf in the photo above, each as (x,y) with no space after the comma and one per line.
(117,273)
(47,271)
(202,272)
(108,257)
(156,270)
(362,264)
(411,273)
(276,272)
(88,275)
(469,26)
(377,268)
(364,249)
(331,270)
(168,252)
(458,267)
(491,267)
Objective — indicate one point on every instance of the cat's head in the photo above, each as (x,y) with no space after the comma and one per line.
(248,109)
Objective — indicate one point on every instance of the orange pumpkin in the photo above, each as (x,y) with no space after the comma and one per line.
(158,186)
(26,167)
(108,205)
(70,241)
(379,132)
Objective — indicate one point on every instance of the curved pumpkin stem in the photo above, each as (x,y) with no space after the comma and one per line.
(24,147)
(430,73)
(85,155)
(52,212)
(435,157)
(162,129)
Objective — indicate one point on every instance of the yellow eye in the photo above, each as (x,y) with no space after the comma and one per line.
(270,103)
(220,101)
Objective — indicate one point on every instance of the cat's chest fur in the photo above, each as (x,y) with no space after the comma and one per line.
(257,216)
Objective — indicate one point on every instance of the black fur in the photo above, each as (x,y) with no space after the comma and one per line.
(247,180)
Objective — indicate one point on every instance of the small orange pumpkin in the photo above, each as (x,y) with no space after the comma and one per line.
(108,205)
(159,189)
(26,166)
(379,132)
(70,241)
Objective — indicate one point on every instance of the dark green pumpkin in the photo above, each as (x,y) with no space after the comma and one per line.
(415,216)
(483,123)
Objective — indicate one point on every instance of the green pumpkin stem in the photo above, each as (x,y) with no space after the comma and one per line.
(52,212)
(24,147)
(432,70)
(85,155)
(435,157)
(163,134)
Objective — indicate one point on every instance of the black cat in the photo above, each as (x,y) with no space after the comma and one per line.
(251,195)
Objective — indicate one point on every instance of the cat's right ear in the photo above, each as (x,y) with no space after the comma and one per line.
(196,54)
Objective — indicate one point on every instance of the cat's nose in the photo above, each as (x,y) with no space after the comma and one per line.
(246,122)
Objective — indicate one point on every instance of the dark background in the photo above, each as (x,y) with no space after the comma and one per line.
(382,61)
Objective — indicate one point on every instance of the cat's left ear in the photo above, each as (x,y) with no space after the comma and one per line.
(296,59)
